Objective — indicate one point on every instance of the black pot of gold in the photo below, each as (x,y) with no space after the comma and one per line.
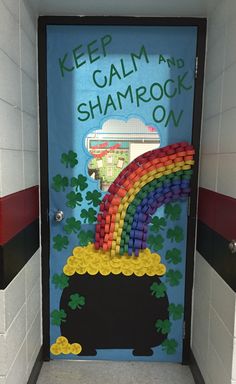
(112,303)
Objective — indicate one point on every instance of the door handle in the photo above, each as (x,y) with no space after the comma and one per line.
(59,216)
(232,246)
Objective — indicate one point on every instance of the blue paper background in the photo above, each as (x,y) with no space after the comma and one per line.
(66,132)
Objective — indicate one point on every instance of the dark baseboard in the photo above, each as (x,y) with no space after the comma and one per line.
(36,368)
(17,252)
(214,248)
(198,378)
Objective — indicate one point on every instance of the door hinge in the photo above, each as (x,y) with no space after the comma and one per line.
(189,205)
(196,67)
(184,329)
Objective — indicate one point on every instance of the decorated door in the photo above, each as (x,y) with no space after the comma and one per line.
(120,112)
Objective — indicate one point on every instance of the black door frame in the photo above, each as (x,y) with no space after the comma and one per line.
(43,22)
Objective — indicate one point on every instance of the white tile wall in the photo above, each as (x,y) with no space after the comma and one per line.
(11,171)
(230,57)
(217,372)
(32,360)
(32,272)
(18,369)
(28,57)
(227,174)
(14,7)
(9,80)
(31,169)
(229,88)
(11,341)
(14,297)
(234,360)
(20,320)
(28,21)
(9,34)
(2,312)
(2,379)
(33,303)
(231,10)
(218,132)
(215,64)
(217,173)
(29,95)
(213,97)
(34,336)
(221,339)
(30,132)
(20,302)
(210,136)
(228,132)
(10,127)
(213,337)
(208,171)
(216,22)
(223,301)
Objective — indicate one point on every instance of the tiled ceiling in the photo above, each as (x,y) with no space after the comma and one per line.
(194,8)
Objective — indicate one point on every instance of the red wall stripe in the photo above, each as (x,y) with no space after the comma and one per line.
(218,212)
(17,211)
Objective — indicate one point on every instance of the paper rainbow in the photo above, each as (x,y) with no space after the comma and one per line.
(155,178)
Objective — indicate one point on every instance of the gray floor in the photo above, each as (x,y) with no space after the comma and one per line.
(85,372)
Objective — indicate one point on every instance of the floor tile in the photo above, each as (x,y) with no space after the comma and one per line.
(85,372)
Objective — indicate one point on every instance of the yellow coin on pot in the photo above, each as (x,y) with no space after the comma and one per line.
(75,348)
(55,349)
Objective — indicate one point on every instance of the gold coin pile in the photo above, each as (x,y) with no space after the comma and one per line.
(62,345)
(88,260)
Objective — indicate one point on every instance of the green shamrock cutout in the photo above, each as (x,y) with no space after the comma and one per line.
(79,183)
(163,326)
(69,159)
(58,317)
(169,346)
(158,290)
(76,301)
(60,281)
(60,183)
(72,225)
(60,242)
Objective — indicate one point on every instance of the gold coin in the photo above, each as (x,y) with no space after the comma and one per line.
(66,349)
(139,272)
(146,261)
(136,262)
(116,271)
(73,261)
(68,270)
(75,348)
(105,271)
(55,349)
(94,260)
(115,262)
(161,269)
(150,271)
(156,258)
(81,270)
(105,257)
(146,252)
(127,271)
(61,340)
(77,251)
(92,270)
